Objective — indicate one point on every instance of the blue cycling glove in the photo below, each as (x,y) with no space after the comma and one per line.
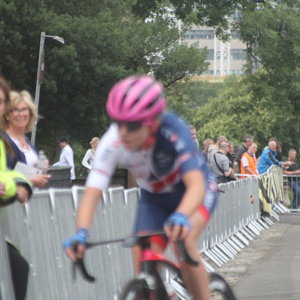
(178,219)
(80,237)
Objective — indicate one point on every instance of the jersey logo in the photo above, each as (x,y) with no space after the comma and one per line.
(159,185)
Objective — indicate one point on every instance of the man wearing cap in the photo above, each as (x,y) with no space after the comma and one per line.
(66,157)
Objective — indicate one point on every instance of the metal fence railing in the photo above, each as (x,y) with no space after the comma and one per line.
(39,228)
(291,187)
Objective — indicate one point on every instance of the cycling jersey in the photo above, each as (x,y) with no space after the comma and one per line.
(158,170)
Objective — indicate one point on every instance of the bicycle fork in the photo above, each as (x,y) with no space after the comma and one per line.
(154,282)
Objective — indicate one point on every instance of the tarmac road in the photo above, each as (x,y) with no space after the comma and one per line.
(269,268)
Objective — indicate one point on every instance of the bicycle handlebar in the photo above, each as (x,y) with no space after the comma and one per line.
(128,242)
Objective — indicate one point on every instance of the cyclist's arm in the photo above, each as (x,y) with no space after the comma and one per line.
(99,178)
(84,218)
(194,194)
(87,207)
(192,197)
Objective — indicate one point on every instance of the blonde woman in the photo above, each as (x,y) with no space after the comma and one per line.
(19,119)
(88,158)
(11,188)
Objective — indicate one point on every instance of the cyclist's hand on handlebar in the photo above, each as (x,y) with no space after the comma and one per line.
(75,245)
(177,226)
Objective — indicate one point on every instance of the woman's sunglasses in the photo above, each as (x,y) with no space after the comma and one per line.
(131,126)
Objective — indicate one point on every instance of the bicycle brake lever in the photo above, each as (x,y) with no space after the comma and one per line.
(81,266)
(184,255)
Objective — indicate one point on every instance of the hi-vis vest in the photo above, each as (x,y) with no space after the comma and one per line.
(252,164)
(10,178)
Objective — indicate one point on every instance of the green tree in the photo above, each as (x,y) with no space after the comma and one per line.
(104,42)
(211,13)
(272,35)
(248,107)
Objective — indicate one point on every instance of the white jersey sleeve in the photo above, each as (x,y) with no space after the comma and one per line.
(106,159)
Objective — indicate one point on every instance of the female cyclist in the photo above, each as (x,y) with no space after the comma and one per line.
(178,191)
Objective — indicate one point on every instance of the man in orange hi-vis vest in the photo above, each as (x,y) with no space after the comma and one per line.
(249,161)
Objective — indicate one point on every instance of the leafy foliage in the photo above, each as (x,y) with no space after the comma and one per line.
(248,107)
(104,41)
(201,12)
(108,40)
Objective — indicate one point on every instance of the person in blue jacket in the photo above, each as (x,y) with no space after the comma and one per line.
(268,158)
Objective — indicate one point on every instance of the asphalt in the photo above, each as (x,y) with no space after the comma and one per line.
(269,268)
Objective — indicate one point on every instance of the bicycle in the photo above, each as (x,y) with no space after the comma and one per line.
(150,284)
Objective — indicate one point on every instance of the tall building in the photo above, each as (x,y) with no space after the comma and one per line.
(225,58)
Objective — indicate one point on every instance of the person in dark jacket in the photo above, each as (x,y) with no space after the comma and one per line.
(247,141)
(294,182)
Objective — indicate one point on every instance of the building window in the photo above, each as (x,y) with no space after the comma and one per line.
(238,54)
(208,72)
(235,35)
(199,34)
(210,54)
(236,72)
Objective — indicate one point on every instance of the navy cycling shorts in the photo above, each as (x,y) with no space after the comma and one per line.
(154,209)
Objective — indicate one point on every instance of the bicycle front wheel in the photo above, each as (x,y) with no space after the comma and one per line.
(136,289)
(219,288)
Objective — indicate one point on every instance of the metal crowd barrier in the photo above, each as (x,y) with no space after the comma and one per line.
(39,228)
(291,187)
(272,192)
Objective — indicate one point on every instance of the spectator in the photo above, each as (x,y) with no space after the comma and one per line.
(267,158)
(206,146)
(230,154)
(19,119)
(23,188)
(294,182)
(12,186)
(249,161)
(88,159)
(194,135)
(66,157)
(278,152)
(247,141)
(219,163)
(215,147)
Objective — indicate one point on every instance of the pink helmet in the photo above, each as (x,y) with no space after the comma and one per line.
(136,98)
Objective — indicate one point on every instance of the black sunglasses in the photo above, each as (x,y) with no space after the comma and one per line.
(131,126)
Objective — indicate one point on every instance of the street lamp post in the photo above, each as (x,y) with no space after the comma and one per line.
(40,75)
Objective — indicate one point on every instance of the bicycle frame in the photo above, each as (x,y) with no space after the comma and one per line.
(150,261)
(149,268)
